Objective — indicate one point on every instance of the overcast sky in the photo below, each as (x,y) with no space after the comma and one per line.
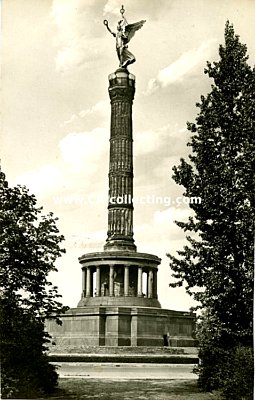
(57,56)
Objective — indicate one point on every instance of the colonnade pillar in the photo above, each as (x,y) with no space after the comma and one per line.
(155,284)
(126,280)
(89,282)
(140,282)
(111,281)
(84,274)
(98,282)
(150,284)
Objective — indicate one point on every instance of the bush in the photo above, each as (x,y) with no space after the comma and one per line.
(211,367)
(25,368)
(213,352)
(224,364)
(230,370)
(239,375)
(35,380)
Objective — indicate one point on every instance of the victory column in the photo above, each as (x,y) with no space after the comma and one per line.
(117,311)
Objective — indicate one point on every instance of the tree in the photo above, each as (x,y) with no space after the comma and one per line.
(217,262)
(29,247)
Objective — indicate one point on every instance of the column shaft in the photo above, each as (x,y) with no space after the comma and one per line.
(150,283)
(155,283)
(84,282)
(88,283)
(126,281)
(111,281)
(120,215)
(98,282)
(140,282)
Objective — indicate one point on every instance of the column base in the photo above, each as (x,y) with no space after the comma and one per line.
(118,301)
(119,245)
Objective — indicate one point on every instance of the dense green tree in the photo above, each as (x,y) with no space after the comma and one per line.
(29,247)
(217,263)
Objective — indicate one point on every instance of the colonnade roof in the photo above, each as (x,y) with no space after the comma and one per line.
(119,258)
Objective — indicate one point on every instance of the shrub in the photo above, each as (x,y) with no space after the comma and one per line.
(224,364)
(238,377)
(25,368)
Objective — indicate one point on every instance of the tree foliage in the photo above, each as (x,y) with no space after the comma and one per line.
(25,369)
(223,365)
(29,247)
(217,263)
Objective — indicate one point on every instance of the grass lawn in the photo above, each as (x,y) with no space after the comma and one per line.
(130,390)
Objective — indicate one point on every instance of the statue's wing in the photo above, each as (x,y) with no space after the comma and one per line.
(131,29)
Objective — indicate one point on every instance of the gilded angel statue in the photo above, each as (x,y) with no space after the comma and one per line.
(124,34)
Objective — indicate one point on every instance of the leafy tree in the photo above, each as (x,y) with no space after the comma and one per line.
(217,262)
(25,372)
(222,366)
(29,247)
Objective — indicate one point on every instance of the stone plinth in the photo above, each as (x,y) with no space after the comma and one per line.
(121,326)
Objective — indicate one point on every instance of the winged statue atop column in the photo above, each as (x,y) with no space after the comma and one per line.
(125,32)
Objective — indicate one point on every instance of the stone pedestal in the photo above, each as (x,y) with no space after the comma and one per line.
(121,326)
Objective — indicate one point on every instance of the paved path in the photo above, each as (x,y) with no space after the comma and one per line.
(125,371)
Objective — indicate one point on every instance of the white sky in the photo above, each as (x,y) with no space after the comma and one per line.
(56,114)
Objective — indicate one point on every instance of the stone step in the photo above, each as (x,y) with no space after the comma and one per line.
(126,350)
(126,358)
(126,354)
